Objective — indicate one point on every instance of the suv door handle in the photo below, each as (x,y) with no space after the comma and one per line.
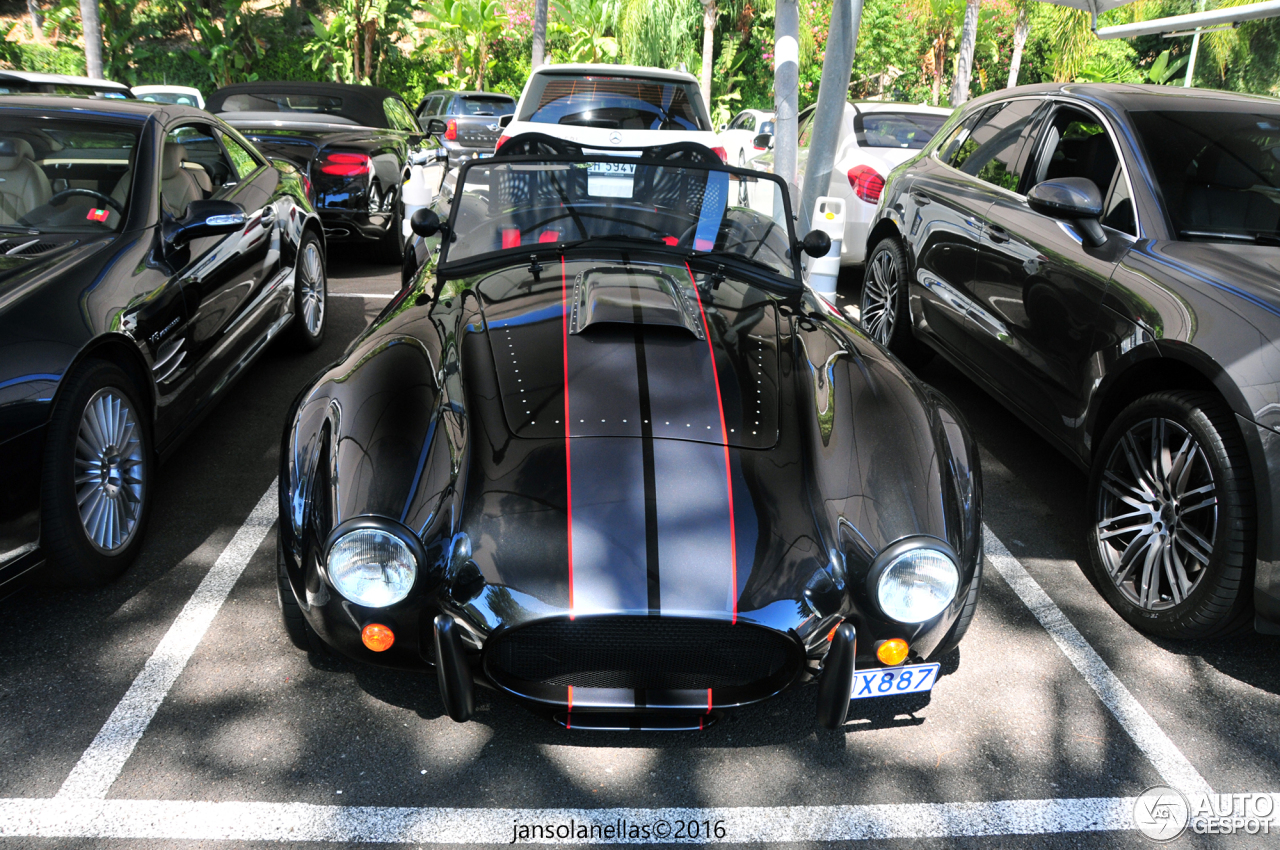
(997,234)
(921,200)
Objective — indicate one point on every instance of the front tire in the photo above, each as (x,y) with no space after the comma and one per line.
(295,622)
(884,308)
(1172,536)
(310,294)
(96,486)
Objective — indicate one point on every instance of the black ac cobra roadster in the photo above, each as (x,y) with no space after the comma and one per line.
(606,454)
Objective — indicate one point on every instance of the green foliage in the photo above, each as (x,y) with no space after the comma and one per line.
(229,47)
(586,25)
(660,33)
(464,30)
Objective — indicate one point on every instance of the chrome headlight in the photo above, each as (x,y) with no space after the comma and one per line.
(372,566)
(915,580)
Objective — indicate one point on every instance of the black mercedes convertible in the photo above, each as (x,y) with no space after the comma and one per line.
(607,455)
(357,145)
(148,253)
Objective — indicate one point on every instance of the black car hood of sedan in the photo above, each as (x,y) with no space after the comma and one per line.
(25,258)
(636,360)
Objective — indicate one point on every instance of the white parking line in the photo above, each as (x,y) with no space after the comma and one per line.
(81,810)
(240,821)
(383,295)
(100,764)
(1167,759)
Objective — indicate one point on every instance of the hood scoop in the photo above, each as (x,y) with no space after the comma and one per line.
(629,296)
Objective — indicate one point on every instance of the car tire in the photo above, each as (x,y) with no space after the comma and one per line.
(884,306)
(1172,519)
(957,631)
(391,246)
(96,485)
(295,622)
(310,294)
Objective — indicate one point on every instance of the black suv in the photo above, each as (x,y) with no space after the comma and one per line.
(467,121)
(1102,259)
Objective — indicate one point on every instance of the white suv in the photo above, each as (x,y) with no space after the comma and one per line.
(604,106)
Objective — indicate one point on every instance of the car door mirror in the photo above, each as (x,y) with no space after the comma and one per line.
(721,128)
(425,222)
(204,218)
(505,120)
(1075,199)
(436,126)
(763,142)
(816,243)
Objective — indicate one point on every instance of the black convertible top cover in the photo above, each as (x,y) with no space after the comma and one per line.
(362,104)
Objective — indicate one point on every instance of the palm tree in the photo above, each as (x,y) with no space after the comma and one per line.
(1072,40)
(964,59)
(658,33)
(708,47)
(539,33)
(587,23)
(1021,30)
(91,25)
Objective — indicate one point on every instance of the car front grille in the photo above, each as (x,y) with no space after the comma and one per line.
(643,653)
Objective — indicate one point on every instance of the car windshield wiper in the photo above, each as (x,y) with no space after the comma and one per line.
(18,228)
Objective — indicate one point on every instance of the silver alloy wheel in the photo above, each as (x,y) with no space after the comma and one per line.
(880,298)
(311,289)
(109,467)
(1157,514)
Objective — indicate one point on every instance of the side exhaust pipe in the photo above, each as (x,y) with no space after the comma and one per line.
(835,688)
(452,672)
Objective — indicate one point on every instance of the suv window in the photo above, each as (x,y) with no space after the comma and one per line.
(614,102)
(1076,144)
(479,105)
(990,150)
(748,122)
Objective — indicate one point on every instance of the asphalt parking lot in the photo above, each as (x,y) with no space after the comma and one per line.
(170,709)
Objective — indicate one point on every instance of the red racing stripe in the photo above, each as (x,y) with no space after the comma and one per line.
(724,440)
(568,467)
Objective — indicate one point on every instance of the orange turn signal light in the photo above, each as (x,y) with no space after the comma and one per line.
(891,653)
(377,637)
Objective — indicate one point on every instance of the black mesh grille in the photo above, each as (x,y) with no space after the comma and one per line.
(642,653)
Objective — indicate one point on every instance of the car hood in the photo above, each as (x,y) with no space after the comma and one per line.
(300,142)
(1253,270)
(35,259)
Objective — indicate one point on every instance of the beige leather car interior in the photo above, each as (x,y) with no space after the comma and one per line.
(23,185)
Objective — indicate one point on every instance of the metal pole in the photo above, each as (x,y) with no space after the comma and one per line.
(786,89)
(833,93)
(1177,23)
(539,33)
(1195,48)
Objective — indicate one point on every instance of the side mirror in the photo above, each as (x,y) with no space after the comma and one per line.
(425,222)
(763,141)
(203,218)
(505,120)
(816,243)
(722,128)
(1075,199)
(436,126)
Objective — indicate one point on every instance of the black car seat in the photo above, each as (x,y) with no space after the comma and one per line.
(23,185)
(1219,196)
(178,187)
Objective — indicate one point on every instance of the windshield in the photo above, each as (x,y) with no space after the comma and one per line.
(64,176)
(614,103)
(471,105)
(911,130)
(512,206)
(174,97)
(1219,172)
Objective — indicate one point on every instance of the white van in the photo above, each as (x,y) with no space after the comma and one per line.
(604,106)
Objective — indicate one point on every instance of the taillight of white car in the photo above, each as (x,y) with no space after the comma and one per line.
(867,183)
(722,153)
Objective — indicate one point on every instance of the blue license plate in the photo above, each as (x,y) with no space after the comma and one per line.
(890,681)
